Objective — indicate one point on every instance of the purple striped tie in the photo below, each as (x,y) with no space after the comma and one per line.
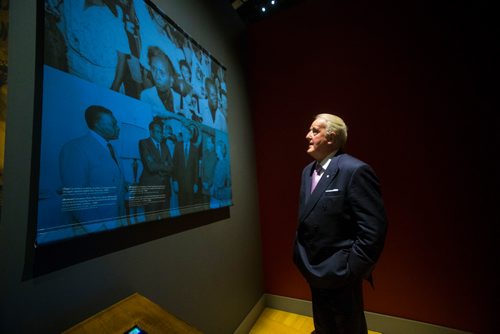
(318,170)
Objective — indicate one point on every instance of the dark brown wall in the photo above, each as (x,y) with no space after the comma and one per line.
(414,84)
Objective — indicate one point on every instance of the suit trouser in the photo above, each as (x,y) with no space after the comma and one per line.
(339,311)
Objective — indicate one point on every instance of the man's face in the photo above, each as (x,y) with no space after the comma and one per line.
(161,74)
(319,145)
(223,102)
(156,133)
(186,73)
(107,127)
(194,102)
(213,101)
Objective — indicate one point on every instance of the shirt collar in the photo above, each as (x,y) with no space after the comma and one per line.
(99,138)
(326,161)
(154,141)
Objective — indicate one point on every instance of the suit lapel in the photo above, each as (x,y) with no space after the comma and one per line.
(305,187)
(102,152)
(165,151)
(308,181)
(153,148)
(328,176)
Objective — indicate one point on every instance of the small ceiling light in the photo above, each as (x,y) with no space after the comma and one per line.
(273,2)
(263,9)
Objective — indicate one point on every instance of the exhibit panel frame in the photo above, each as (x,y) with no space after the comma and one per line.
(130,121)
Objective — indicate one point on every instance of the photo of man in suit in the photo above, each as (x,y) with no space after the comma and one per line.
(341,230)
(157,168)
(186,166)
(93,184)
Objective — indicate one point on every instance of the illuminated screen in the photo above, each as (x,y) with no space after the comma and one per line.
(133,120)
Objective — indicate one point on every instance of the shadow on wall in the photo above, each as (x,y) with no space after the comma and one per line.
(41,260)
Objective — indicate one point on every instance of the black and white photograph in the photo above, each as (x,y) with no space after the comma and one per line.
(134,120)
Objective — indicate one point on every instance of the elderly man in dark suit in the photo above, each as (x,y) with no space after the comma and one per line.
(157,167)
(341,230)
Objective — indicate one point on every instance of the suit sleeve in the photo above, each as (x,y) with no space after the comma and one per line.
(150,163)
(369,213)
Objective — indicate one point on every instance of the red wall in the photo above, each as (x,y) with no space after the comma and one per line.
(412,83)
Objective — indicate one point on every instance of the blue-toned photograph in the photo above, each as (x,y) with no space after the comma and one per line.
(134,120)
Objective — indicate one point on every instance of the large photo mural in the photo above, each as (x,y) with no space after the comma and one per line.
(133,120)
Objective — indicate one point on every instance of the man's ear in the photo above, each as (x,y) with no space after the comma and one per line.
(331,137)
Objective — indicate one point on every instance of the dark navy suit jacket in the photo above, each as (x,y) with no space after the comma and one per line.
(157,168)
(342,224)
(186,172)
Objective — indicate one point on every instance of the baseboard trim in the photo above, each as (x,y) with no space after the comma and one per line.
(293,305)
(385,324)
(252,316)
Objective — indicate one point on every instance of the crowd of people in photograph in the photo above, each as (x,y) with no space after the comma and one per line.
(129,47)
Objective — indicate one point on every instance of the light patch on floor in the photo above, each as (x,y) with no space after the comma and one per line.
(281,322)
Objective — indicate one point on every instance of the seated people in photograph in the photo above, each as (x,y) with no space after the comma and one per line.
(221,187)
(182,85)
(132,71)
(193,109)
(177,40)
(93,184)
(157,168)
(161,96)
(97,41)
(218,75)
(210,110)
(189,101)
(186,162)
(201,66)
(223,103)
(154,31)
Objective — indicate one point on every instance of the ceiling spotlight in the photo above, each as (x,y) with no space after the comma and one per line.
(263,9)
(273,2)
